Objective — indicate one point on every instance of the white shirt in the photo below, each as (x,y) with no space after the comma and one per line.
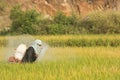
(20,51)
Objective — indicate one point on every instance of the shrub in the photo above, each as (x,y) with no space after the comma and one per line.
(56,29)
(31,22)
(102,23)
(64,24)
(23,22)
(61,18)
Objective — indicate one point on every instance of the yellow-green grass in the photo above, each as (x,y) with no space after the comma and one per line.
(66,37)
(68,40)
(68,63)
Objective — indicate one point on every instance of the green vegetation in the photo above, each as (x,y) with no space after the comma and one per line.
(23,22)
(69,56)
(2,6)
(70,63)
(31,22)
(74,63)
(74,40)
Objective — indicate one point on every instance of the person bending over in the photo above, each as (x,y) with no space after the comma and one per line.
(19,53)
(32,52)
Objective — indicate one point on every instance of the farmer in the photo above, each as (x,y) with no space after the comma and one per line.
(19,53)
(32,52)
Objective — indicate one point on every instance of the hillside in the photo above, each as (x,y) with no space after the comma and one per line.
(50,7)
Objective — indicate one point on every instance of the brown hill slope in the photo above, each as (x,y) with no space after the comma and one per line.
(50,7)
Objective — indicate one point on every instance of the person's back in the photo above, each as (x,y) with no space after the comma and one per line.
(32,52)
(30,55)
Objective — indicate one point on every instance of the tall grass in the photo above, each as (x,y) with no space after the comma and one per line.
(73,40)
(70,63)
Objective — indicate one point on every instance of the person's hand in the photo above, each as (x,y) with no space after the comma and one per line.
(12,59)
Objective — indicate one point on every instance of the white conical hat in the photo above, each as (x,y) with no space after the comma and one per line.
(37,46)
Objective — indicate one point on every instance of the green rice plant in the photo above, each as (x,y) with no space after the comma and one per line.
(68,63)
(73,40)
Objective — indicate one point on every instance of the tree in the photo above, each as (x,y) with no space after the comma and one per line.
(23,22)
